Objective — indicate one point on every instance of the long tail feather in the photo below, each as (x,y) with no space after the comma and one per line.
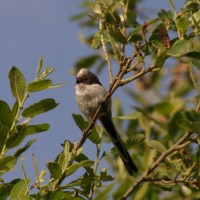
(116,139)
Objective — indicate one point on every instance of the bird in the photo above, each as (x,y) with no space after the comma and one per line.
(89,93)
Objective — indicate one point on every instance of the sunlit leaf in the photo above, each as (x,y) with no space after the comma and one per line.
(40,64)
(156,145)
(136,139)
(19,191)
(48,70)
(39,85)
(7,163)
(23,149)
(82,124)
(22,131)
(158,45)
(5,188)
(55,170)
(17,83)
(39,107)
(182,24)
(116,34)
(72,168)
(131,116)
(180,48)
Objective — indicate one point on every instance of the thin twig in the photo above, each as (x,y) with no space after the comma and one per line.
(141,73)
(160,159)
(155,164)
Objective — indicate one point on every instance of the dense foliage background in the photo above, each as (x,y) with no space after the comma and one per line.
(156,63)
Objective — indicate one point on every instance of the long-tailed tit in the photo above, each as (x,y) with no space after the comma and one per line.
(89,93)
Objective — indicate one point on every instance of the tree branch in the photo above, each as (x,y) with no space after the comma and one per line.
(160,159)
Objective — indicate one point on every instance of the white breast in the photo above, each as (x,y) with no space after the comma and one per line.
(88,98)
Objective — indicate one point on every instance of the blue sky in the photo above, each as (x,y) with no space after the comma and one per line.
(42,27)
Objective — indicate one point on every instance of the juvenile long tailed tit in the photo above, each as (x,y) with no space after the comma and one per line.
(89,93)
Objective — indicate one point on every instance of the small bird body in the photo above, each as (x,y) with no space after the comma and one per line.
(89,93)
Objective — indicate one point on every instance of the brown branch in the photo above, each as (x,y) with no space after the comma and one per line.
(155,164)
(141,73)
(160,159)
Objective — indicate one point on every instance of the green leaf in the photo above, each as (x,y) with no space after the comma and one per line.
(105,176)
(180,48)
(194,20)
(79,120)
(56,85)
(3,133)
(191,115)
(94,135)
(82,124)
(193,54)
(156,145)
(136,139)
(22,150)
(39,85)
(182,24)
(116,34)
(40,64)
(5,189)
(19,191)
(165,108)
(187,125)
(135,32)
(39,107)
(17,83)
(7,163)
(55,170)
(96,40)
(160,60)
(15,108)
(6,116)
(42,174)
(22,131)
(131,116)
(158,45)
(48,70)
(178,163)
(72,168)
(66,157)
(61,195)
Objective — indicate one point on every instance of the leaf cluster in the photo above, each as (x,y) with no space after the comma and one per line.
(15,123)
